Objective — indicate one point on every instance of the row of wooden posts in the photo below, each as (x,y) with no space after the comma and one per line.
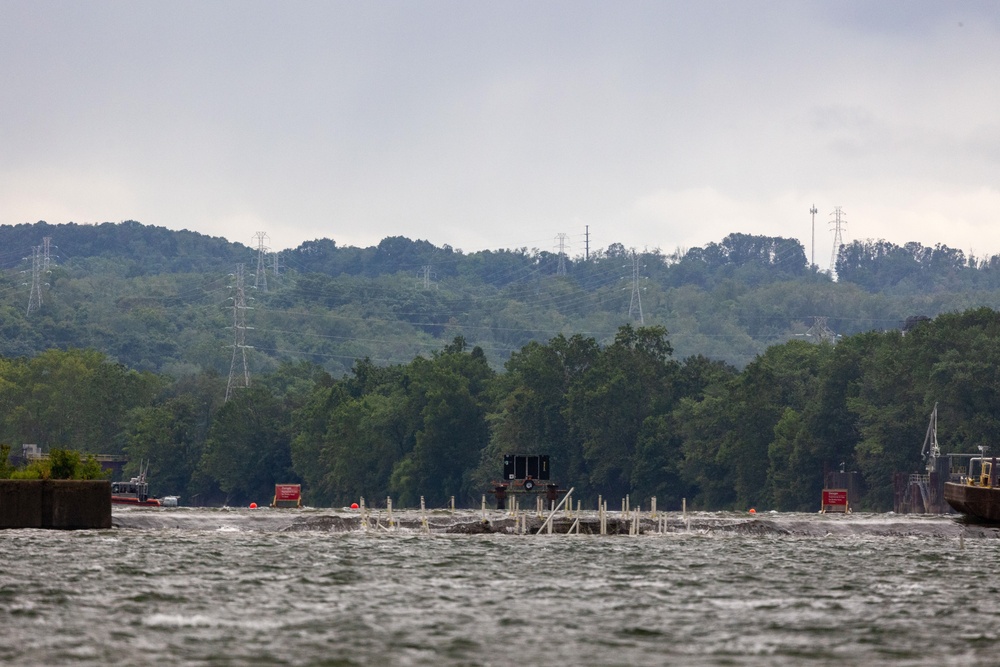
(521,516)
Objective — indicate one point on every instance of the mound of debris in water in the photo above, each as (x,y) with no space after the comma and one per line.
(477,528)
(473,522)
(332,523)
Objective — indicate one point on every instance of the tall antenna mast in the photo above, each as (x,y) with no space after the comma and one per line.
(586,242)
(812,263)
(839,222)
(237,380)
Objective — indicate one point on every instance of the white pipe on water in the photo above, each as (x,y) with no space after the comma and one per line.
(548,521)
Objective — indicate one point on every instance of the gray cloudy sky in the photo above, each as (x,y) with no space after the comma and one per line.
(502,124)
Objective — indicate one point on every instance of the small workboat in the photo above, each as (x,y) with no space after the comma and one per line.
(133,492)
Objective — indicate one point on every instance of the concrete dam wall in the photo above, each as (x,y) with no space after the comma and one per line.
(51,503)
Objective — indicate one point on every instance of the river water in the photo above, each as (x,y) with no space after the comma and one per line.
(210,586)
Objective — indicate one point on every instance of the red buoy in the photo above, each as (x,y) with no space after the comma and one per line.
(253,506)
(354,506)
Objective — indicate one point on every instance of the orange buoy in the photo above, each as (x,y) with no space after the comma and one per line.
(253,506)
(354,506)
(753,511)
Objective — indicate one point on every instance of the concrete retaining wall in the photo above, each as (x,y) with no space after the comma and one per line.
(65,504)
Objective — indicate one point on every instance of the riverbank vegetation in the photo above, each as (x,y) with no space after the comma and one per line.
(626,417)
(407,370)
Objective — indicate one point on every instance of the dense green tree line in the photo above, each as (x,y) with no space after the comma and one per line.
(619,418)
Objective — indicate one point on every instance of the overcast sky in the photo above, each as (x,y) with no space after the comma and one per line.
(502,124)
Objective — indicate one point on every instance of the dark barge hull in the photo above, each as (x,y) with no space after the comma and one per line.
(981,502)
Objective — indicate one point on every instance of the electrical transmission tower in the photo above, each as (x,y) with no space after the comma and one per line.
(426,274)
(46,248)
(820,332)
(35,297)
(562,238)
(838,224)
(635,303)
(260,281)
(277,264)
(236,380)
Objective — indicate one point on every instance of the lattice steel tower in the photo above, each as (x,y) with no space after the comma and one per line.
(426,273)
(239,380)
(838,224)
(46,248)
(260,280)
(821,331)
(562,238)
(35,297)
(635,303)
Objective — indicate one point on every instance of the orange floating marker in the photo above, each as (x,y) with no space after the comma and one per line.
(753,511)
(354,506)
(253,506)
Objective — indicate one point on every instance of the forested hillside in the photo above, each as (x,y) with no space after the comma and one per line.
(159,300)
(407,369)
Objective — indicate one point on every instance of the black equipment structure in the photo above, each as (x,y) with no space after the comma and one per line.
(525,473)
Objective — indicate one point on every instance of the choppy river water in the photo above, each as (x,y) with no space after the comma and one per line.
(271,587)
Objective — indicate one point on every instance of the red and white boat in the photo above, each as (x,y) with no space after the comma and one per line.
(133,492)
